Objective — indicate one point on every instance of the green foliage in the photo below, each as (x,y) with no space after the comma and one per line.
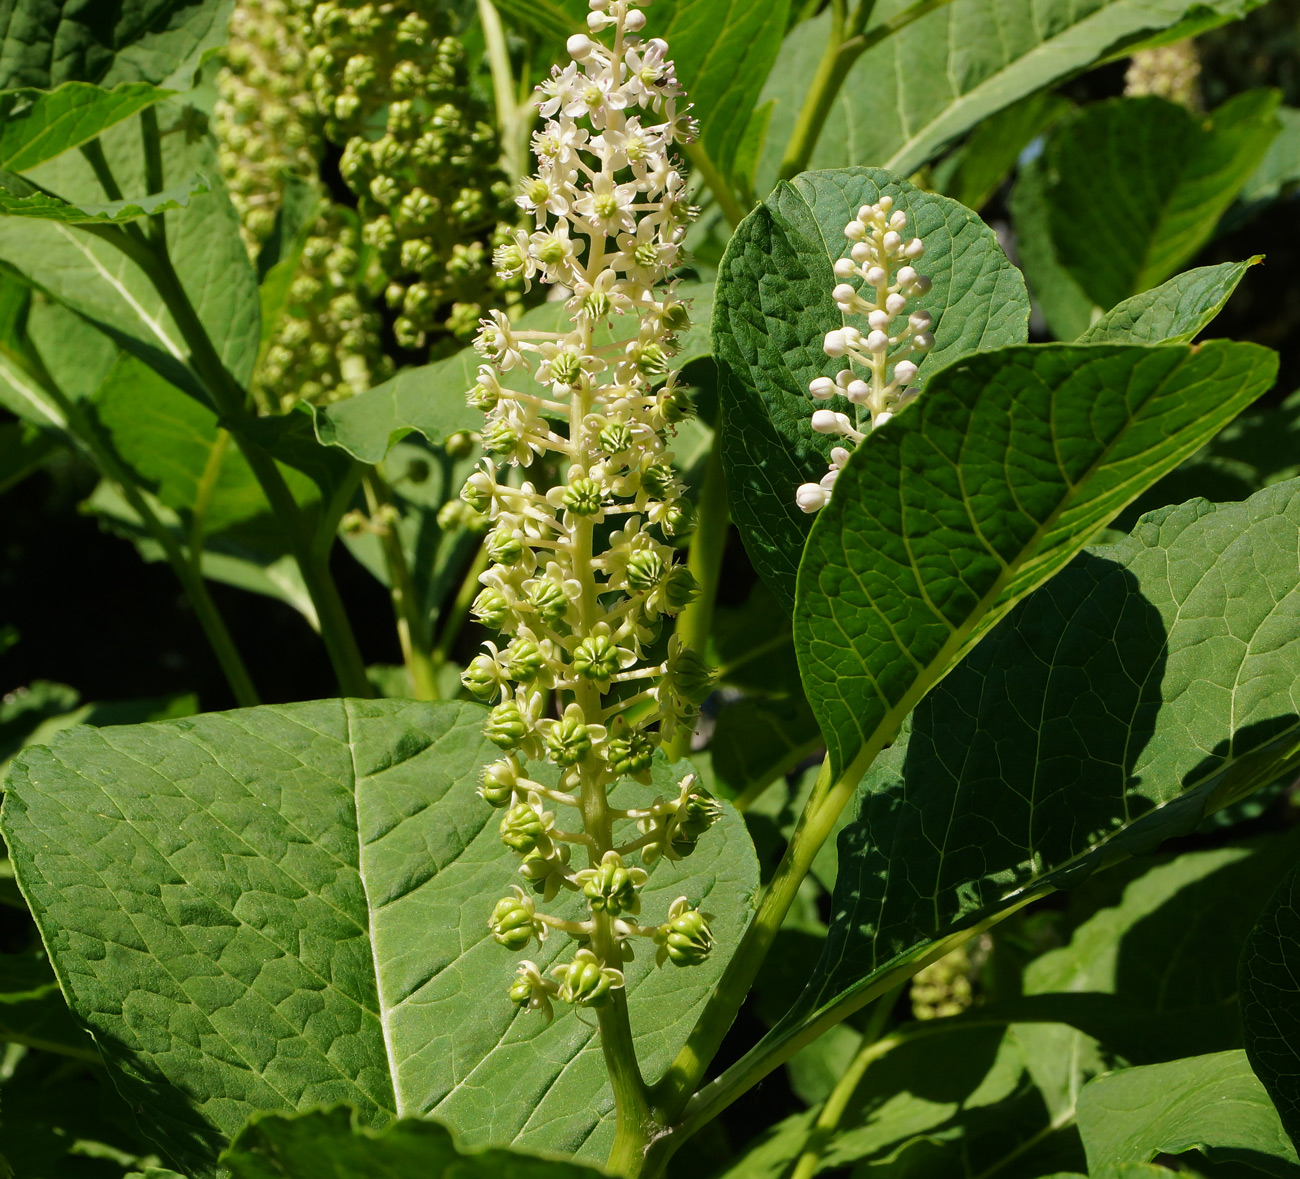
(1268,984)
(18,199)
(1213,1104)
(324,969)
(773,307)
(1058,439)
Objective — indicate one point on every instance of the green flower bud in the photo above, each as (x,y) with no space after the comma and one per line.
(585,981)
(658,482)
(675,403)
(583,497)
(685,936)
(596,658)
(568,740)
(650,359)
(522,828)
(612,887)
(531,991)
(506,727)
(566,368)
(644,570)
(505,547)
(476,494)
(688,677)
(482,677)
(681,589)
(549,600)
(674,316)
(678,520)
(615,438)
(525,661)
(497,783)
(595,305)
(545,871)
(514,921)
(630,755)
(500,437)
(491,608)
(697,813)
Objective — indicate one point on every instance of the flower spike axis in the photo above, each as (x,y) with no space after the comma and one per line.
(583,574)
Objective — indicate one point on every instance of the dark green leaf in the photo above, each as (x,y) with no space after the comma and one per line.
(1173,313)
(773,307)
(1279,170)
(1168,176)
(32,1010)
(922,88)
(1270,980)
(336,1141)
(23,451)
(36,125)
(1150,683)
(44,44)
(282,907)
(21,200)
(985,488)
(1213,1104)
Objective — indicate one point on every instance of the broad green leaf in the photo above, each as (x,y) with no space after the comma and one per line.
(773,307)
(946,72)
(284,907)
(1000,473)
(1173,313)
(335,1141)
(1279,171)
(95,280)
(1213,1104)
(757,740)
(23,451)
(22,200)
(32,1010)
(44,45)
(1168,176)
(1270,967)
(37,125)
(1150,683)
(972,173)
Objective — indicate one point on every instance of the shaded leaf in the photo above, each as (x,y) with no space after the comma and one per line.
(1213,1104)
(1270,968)
(1173,313)
(313,1144)
(23,451)
(907,567)
(37,125)
(773,307)
(22,200)
(284,907)
(32,1010)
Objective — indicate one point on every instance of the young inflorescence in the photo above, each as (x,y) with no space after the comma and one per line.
(880,386)
(582,574)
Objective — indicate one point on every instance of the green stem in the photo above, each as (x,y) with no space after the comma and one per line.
(843,48)
(412,626)
(153,171)
(513,149)
(722,191)
(832,1112)
(228,399)
(708,542)
(84,430)
(203,494)
(454,617)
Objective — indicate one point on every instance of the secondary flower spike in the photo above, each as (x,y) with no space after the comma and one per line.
(882,260)
(583,574)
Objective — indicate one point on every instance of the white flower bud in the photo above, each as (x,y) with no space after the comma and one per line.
(634,22)
(826,421)
(834,344)
(843,293)
(855,231)
(844,268)
(866,213)
(877,276)
(810,497)
(844,378)
(597,21)
(895,303)
(861,252)
(840,455)
(921,286)
(922,342)
(885,204)
(858,392)
(877,342)
(881,418)
(898,220)
(852,337)
(914,249)
(828,479)
(919,321)
(904,371)
(822,388)
(891,242)
(579,46)
(879,320)
(906,277)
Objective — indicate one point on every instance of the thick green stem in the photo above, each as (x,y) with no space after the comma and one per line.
(514,149)
(412,624)
(228,399)
(453,618)
(730,205)
(695,623)
(153,172)
(843,48)
(85,431)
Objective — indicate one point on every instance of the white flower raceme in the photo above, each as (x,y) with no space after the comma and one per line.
(882,259)
(583,573)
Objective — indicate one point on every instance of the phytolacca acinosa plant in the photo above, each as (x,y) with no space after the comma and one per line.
(880,384)
(582,575)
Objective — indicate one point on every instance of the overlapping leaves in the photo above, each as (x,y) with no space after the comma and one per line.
(286,907)
(773,307)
